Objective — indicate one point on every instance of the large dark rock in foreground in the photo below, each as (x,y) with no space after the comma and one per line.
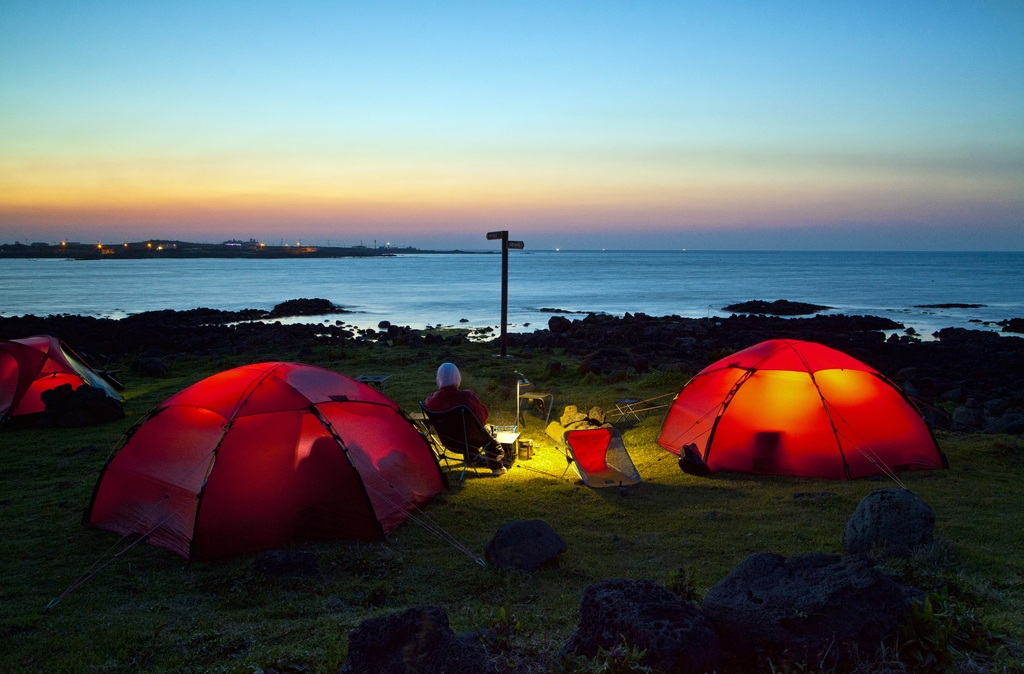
(677,637)
(893,519)
(802,607)
(525,545)
(416,640)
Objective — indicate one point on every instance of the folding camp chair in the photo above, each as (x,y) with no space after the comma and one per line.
(460,440)
(600,458)
(526,390)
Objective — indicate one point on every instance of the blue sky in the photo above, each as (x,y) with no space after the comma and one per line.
(869,125)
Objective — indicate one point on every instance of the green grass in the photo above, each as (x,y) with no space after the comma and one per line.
(149,610)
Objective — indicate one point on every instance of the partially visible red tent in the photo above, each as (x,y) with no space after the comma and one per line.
(32,365)
(263,456)
(786,407)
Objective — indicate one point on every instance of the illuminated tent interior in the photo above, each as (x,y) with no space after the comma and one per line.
(600,457)
(264,456)
(32,365)
(786,407)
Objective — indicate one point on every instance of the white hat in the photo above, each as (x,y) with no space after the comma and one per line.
(448,375)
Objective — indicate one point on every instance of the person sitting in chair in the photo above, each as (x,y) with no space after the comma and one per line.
(449,395)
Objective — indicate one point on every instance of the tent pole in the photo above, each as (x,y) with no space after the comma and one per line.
(504,293)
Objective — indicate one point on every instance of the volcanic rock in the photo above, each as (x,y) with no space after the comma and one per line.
(1012,422)
(805,607)
(893,519)
(559,324)
(1013,325)
(525,545)
(677,638)
(949,305)
(305,307)
(416,640)
(968,419)
(776,308)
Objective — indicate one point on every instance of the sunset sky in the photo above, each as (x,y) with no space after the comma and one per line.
(888,125)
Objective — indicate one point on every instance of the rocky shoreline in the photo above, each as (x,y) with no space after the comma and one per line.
(964,380)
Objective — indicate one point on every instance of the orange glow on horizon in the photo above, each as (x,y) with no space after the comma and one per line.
(544,192)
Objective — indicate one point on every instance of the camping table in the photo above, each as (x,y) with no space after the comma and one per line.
(626,407)
(508,442)
(378,380)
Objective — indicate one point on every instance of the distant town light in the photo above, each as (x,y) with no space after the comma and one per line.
(149,245)
(99,245)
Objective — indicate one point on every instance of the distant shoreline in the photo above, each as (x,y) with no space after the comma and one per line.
(157,249)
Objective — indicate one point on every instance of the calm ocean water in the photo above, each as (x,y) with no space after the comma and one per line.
(418,290)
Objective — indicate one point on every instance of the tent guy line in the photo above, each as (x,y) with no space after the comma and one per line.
(94,569)
(422,519)
(287,396)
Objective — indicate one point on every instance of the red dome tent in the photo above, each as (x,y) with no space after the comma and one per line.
(263,456)
(32,365)
(785,407)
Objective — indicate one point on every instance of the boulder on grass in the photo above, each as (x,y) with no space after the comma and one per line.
(416,640)
(893,519)
(674,633)
(806,607)
(968,418)
(525,545)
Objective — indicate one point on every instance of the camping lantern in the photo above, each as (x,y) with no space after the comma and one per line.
(525,450)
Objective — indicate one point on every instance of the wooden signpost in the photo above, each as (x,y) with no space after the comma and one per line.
(506,245)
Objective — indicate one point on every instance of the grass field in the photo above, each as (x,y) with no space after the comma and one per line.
(149,610)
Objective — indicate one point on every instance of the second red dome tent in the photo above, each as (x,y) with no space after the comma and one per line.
(263,456)
(786,407)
